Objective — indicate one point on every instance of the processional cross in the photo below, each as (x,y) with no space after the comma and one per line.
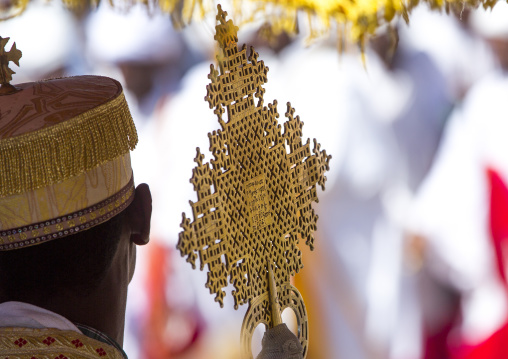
(254,200)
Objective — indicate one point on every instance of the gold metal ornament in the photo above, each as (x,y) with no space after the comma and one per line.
(5,72)
(254,200)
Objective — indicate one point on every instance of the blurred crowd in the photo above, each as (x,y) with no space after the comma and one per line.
(413,224)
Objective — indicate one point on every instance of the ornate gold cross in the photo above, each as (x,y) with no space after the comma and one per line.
(254,200)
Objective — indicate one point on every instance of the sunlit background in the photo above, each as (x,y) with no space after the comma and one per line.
(413,224)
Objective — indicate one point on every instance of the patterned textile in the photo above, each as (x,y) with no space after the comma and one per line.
(80,199)
(100,336)
(28,343)
(26,317)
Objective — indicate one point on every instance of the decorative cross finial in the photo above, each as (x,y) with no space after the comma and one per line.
(225,32)
(5,72)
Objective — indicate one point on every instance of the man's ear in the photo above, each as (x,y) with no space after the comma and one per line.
(139,214)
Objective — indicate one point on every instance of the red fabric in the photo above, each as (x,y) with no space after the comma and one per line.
(496,346)
(498,218)
(154,344)
(157,341)
(436,343)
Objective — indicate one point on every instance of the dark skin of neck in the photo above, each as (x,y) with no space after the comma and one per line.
(104,308)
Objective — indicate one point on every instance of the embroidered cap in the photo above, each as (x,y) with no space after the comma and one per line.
(64,155)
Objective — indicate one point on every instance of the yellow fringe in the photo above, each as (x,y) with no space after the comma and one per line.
(361,17)
(62,151)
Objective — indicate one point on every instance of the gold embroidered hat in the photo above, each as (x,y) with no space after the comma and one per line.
(64,155)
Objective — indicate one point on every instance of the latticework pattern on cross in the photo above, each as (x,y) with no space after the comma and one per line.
(255,196)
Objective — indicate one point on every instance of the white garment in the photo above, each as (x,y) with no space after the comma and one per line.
(451,210)
(24,315)
(460,55)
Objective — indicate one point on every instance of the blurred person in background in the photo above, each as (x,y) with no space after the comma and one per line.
(451,43)
(142,44)
(460,221)
(383,126)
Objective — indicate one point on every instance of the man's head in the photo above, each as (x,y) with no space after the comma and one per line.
(70,216)
(77,263)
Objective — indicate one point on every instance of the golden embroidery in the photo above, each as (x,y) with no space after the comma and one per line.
(27,343)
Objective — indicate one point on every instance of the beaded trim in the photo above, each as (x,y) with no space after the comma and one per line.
(66,225)
(56,153)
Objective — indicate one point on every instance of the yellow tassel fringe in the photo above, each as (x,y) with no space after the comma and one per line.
(62,151)
(360,18)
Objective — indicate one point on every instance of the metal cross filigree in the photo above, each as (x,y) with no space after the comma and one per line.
(254,200)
